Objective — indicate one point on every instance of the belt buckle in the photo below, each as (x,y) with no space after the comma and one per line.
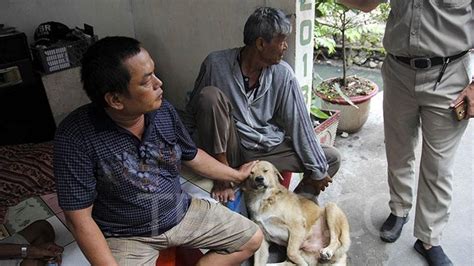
(414,61)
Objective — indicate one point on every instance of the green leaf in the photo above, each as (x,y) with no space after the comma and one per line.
(325,42)
(343,95)
(319,113)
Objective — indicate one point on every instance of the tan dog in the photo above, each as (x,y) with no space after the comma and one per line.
(312,235)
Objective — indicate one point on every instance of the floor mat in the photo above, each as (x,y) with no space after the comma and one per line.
(26,212)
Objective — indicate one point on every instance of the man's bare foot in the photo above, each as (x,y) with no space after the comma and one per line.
(222,191)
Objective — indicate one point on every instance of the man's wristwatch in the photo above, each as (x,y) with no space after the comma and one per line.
(24,251)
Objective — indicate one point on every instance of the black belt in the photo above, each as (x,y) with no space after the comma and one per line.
(425,62)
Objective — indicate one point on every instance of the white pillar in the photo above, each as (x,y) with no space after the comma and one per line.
(300,43)
(304,45)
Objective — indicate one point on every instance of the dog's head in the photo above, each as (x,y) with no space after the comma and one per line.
(263,175)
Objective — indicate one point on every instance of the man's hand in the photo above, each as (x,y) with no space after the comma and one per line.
(245,170)
(317,185)
(363,5)
(468,95)
(222,191)
(45,251)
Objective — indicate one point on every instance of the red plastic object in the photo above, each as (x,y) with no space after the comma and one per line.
(286,178)
(167,257)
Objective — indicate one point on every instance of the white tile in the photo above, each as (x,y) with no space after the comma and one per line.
(197,192)
(203,183)
(187,173)
(26,212)
(295,180)
(73,256)
(63,235)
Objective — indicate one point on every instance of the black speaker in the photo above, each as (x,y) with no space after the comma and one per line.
(25,115)
(13,47)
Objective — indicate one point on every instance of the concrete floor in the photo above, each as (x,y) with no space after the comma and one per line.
(360,189)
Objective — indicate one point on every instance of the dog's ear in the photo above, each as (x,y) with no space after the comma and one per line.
(277,173)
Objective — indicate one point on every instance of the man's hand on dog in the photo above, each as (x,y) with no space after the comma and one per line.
(245,170)
(224,191)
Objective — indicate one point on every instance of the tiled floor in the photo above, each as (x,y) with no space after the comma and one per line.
(44,207)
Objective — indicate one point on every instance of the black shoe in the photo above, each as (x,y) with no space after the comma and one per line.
(392,228)
(435,255)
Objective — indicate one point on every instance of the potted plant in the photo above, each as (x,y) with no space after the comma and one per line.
(352,100)
(349,94)
(325,124)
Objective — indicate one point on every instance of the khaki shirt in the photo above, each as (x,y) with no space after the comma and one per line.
(429,28)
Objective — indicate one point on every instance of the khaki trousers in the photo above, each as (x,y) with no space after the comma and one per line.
(206,225)
(411,103)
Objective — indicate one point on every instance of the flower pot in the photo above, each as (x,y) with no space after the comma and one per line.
(352,119)
(326,129)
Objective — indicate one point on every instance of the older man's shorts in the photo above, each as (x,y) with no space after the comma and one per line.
(206,225)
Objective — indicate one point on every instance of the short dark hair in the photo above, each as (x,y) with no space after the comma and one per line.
(103,70)
(266,22)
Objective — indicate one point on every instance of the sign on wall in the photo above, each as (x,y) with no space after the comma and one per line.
(304,44)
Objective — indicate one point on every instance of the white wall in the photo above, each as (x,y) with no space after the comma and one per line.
(177,33)
(64,92)
(109,17)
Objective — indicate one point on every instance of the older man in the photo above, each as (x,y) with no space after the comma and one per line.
(247,104)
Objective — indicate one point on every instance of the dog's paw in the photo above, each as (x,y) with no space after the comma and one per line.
(325,254)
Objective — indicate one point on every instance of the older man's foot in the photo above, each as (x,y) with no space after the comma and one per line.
(222,191)
(392,228)
(435,256)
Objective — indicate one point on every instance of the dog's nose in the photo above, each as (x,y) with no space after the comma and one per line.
(259,179)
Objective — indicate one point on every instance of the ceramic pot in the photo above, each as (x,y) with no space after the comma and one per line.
(352,119)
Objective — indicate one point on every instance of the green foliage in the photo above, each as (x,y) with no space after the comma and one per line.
(324,37)
(318,113)
(346,98)
(336,23)
(327,90)
(333,91)
(363,29)
(351,27)
(383,12)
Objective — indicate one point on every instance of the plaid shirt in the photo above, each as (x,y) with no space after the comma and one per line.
(132,183)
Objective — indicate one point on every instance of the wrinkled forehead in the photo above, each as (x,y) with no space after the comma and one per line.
(280,37)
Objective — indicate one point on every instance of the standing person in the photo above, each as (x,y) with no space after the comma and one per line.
(247,104)
(117,162)
(425,73)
